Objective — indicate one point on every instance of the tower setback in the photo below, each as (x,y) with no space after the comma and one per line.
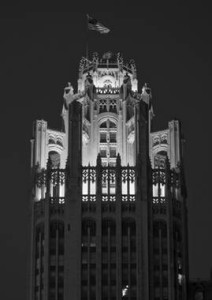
(109,215)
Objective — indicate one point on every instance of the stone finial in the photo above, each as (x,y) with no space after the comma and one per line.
(107,55)
(146,89)
(69,89)
(68,94)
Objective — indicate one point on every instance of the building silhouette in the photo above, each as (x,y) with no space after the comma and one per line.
(109,216)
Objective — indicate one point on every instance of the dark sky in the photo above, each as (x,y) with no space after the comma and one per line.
(40,51)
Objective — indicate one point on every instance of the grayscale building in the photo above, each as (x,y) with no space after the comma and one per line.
(109,215)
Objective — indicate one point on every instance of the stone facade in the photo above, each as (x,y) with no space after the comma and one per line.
(109,216)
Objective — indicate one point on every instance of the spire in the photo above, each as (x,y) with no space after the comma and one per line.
(118,160)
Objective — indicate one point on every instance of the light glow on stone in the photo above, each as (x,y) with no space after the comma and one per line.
(124,290)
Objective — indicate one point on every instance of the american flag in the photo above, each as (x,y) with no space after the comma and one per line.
(93,24)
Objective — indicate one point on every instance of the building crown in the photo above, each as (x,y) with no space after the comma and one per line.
(108,60)
(107,71)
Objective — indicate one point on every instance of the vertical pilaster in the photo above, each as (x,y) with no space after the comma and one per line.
(32,238)
(57,262)
(184,230)
(150,233)
(120,131)
(170,240)
(98,228)
(118,230)
(174,133)
(142,151)
(185,262)
(46,233)
(46,248)
(124,135)
(40,143)
(109,259)
(72,262)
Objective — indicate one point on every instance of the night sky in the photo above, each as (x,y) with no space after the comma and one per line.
(40,51)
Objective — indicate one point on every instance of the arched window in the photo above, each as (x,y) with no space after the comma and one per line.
(54,158)
(160,159)
(108,142)
(103,125)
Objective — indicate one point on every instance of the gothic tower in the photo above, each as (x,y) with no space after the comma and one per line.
(109,216)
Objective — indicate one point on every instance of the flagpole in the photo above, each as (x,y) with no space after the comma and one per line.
(93,24)
(86,47)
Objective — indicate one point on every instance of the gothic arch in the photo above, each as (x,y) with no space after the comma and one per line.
(107,116)
(55,158)
(106,80)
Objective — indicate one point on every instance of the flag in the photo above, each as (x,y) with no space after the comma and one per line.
(93,24)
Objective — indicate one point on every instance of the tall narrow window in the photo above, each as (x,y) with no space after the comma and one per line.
(108,142)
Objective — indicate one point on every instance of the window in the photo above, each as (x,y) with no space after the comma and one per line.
(103,125)
(160,159)
(108,142)
(112,152)
(103,137)
(54,158)
(103,152)
(113,137)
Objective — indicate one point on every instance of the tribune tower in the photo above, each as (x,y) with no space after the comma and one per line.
(109,216)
